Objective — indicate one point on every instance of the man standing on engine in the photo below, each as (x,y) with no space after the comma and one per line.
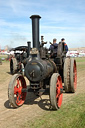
(66,47)
(53,47)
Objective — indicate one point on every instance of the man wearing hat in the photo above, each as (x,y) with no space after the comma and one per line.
(66,47)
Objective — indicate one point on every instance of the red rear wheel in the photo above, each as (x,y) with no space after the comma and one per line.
(73,75)
(15,94)
(56,91)
(70,75)
(67,74)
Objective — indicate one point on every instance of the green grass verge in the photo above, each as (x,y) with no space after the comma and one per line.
(71,115)
(80,64)
(82,59)
(4,68)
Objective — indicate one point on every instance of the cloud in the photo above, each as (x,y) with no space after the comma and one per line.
(17,33)
(59,19)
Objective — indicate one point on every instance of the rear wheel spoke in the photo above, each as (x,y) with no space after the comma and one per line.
(18,100)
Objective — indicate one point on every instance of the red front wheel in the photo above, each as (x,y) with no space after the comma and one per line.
(15,94)
(56,91)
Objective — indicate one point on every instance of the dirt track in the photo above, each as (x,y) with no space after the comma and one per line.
(33,107)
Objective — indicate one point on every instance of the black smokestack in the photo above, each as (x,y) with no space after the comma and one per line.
(35,30)
(29,47)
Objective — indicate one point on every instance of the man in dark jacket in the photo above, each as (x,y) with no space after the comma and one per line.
(53,47)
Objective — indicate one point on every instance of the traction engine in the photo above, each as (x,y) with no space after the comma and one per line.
(43,71)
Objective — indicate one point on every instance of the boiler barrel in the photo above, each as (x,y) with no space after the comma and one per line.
(38,70)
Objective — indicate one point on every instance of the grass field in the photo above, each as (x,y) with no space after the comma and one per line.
(3,75)
(71,114)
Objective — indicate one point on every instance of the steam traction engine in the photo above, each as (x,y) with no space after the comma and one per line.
(41,70)
(17,61)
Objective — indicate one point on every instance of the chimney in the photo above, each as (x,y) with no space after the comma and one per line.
(35,31)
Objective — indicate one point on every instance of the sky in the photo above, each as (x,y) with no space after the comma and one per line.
(60,19)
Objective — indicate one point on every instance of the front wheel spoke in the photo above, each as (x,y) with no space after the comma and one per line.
(57,99)
(21,96)
(17,90)
(18,98)
(18,82)
(58,90)
(58,93)
(58,83)
(57,96)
